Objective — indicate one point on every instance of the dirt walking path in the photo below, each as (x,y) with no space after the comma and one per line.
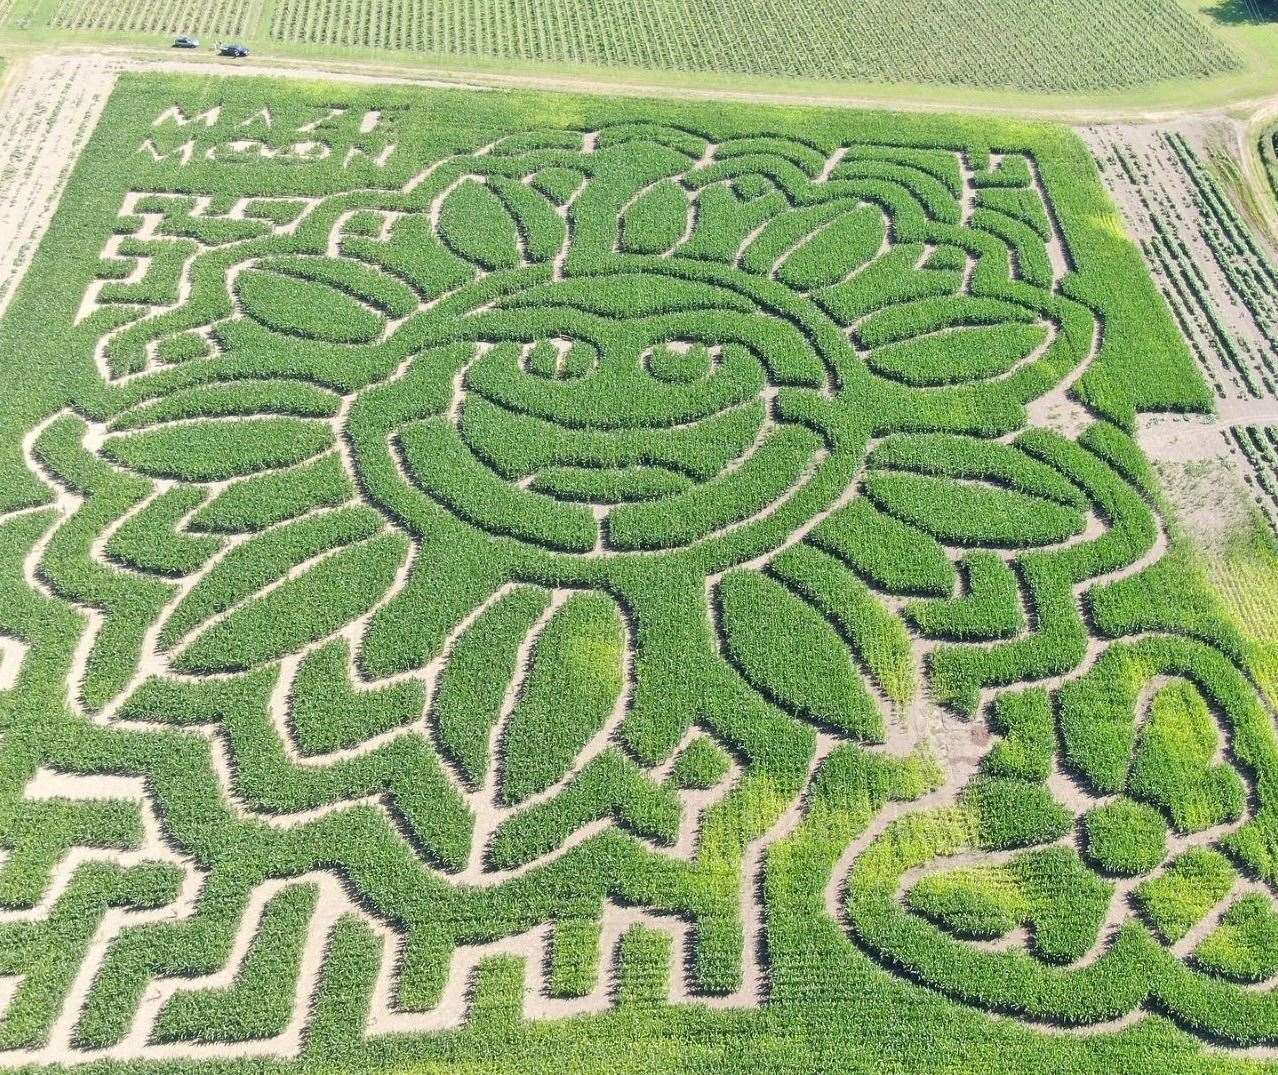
(163,59)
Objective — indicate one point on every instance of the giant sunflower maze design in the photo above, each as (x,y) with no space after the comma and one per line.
(505,564)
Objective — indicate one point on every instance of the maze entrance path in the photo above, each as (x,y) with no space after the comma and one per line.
(474,562)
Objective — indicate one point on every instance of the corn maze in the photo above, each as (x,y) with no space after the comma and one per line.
(540,570)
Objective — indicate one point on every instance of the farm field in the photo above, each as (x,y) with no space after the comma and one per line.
(1258,445)
(146,16)
(1152,50)
(56,105)
(992,43)
(1218,277)
(511,581)
(1216,266)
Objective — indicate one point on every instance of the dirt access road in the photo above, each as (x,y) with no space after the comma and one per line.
(49,103)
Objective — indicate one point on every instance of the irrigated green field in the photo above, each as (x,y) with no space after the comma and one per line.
(227,18)
(539,583)
(1049,47)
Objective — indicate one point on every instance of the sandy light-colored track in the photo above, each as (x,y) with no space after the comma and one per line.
(49,109)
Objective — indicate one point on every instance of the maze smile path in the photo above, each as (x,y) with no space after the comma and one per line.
(518,558)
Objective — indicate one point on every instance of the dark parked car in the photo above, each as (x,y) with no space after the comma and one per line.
(236,51)
(185,42)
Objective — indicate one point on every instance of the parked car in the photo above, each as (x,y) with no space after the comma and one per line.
(185,42)
(236,51)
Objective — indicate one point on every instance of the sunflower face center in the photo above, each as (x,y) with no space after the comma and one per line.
(569,423)
(545,417)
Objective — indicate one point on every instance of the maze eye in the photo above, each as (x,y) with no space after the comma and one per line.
(680,362)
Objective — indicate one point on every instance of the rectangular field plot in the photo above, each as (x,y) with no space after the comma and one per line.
(1215,269)
(1218,277)
(1048,46)
(225,17)
(522,582)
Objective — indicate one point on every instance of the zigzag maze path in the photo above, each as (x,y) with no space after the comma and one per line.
(433,537)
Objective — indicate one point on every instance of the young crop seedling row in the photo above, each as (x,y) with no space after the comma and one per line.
(1222,286)
(1259,448)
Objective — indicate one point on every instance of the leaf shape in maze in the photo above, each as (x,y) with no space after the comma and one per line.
(523,710)
(204,450)
(323,598)
(656,220)
(364,283)
(264,561)
(310,309)
(909,319)
(771,635)
(473,689)
(958,354)
(476,225)
(878,640)
(232,398)
(573,685)
(893,555)
(834,251)
(971,513)
(1007,465)
(262,500)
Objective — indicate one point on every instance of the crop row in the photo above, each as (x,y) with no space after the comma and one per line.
(1249,271)
(1220,284)
(790,38)
(226,17)
(1259,446)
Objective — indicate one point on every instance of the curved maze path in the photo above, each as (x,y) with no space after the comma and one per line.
(505,564)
